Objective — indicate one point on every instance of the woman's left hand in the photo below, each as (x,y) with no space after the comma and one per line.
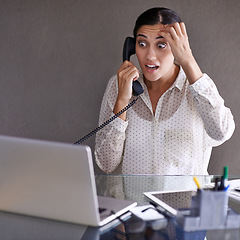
(176,35)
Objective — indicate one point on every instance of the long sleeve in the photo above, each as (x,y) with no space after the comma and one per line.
(217,118)
(189,120)
(109,141)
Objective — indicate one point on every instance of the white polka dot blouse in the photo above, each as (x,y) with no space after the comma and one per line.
(189,120)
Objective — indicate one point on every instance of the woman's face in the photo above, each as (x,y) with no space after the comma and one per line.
(154,53)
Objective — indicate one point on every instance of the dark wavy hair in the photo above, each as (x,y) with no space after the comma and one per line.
(155,16)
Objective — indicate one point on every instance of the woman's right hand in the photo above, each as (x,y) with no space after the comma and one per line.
(127,73)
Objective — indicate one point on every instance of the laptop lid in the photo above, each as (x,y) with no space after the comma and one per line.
(48,179)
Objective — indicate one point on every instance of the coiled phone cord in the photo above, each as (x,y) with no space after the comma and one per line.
(106,123)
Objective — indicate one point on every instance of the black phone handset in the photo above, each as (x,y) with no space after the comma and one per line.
(128,50)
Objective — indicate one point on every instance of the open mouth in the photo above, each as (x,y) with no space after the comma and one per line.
(152,67)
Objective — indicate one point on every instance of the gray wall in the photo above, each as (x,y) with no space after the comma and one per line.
(56,57)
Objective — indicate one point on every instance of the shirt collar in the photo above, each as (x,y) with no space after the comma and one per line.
(180,80)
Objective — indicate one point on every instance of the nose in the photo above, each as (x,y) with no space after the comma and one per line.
(151,54)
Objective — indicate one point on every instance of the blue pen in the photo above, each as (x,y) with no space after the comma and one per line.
(226,188)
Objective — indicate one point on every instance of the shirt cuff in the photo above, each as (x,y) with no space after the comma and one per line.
(119,124)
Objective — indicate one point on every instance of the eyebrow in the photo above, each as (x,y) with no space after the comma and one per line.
(142,35)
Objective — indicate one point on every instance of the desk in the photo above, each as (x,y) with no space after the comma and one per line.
(13,226)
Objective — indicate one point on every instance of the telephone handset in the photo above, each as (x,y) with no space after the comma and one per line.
(128,50)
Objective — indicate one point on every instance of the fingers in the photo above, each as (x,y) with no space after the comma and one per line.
(174,31)
(128,71)
(176,35)
(125,64)
(183,28)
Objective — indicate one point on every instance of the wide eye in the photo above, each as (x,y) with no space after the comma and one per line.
(162,45)
(142,44)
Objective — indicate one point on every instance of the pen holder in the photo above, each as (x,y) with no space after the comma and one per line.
(211,207)
(209,210)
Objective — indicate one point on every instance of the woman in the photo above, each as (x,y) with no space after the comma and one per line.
(179,117)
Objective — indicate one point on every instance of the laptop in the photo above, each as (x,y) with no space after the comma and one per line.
(54,181)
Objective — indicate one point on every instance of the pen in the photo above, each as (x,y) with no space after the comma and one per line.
(197,182)
(224,179)
(216,184)
(226,188)
(225,173)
